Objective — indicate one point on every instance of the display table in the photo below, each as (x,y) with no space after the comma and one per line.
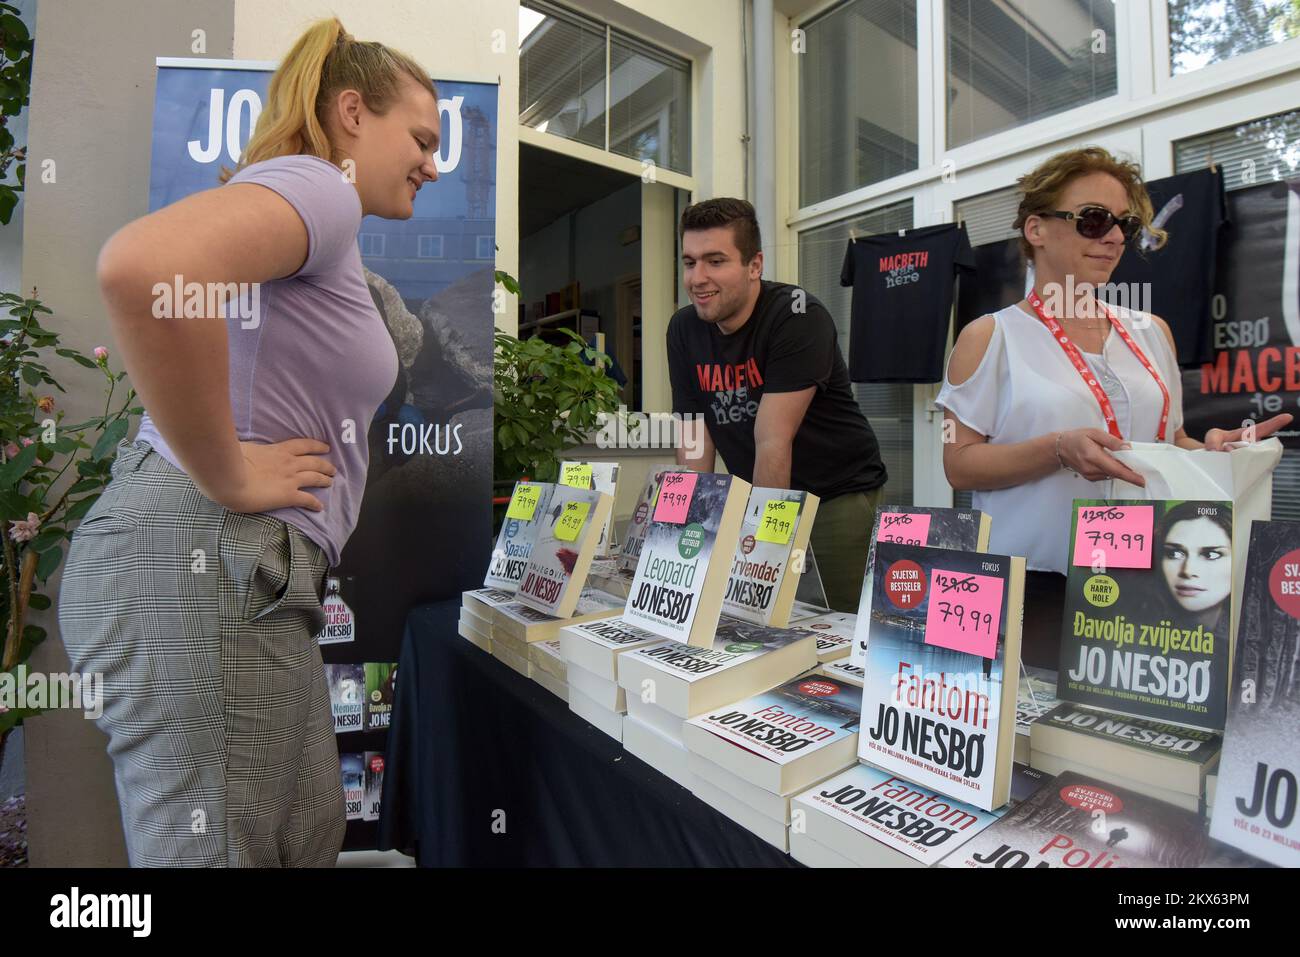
(485,767)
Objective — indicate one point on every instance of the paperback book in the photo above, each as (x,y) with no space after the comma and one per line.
(629,555)
(1255,795)
(596,477)
(347,696)
(529,505)
(374,785)
(960,528)
(381,688)
(784,739)
(944,643)
(879,820)
(769,556)
(340,623)
(1079,822)
(743,659)
(1148,598)
(680,581)
(834,633)
(352,770)
(565,544)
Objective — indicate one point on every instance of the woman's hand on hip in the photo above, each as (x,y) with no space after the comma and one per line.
(276,475)
(1088,452)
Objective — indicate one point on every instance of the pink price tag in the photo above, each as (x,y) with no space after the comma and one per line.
(1121,533)
(675,492)
(905,527)
(965,612)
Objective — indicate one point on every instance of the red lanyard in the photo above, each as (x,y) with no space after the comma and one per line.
(1089,377)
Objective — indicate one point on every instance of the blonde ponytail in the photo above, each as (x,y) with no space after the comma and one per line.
(325,60)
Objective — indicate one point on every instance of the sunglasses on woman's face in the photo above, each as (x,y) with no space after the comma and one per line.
(1094,222)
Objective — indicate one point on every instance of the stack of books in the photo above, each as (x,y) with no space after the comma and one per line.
(548,667)
(1165,761)
(866,817)
(670,682)
(478,612)
(591,652)
(749,758)
(834,633)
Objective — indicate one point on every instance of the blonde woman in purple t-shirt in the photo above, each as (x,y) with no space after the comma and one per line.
(194,584)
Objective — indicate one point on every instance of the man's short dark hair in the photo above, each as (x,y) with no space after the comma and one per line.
(725,211)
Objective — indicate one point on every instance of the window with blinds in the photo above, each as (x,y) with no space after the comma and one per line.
(1010,62)
(887,406)
(988,216)
(1254,152)
(857,97)
(649,104)
(566,86)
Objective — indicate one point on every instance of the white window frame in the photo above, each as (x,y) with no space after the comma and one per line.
(478,247)
(1243,68)
(379,239)
(1148,113)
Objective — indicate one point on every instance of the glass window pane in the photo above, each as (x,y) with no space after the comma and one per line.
(1254,152)
(887,406)
(1202,32)
(1014,61)
(562,75)
(649,105)
(857,98)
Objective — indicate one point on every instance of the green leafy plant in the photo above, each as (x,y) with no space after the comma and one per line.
(15,88)
(547,398)
(37,449)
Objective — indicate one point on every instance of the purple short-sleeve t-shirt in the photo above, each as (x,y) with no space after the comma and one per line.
(312,354)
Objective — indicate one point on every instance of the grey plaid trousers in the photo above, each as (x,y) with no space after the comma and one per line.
(202,623)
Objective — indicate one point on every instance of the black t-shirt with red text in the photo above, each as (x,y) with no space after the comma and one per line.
(789,344)
(902,301)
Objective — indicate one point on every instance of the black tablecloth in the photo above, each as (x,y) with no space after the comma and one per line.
(485,767)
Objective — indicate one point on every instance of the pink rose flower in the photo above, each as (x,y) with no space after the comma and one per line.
(101,353)
(25,530)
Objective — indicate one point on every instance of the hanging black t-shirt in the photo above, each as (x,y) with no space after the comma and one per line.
(1192,208)
(789,344)
(902,301)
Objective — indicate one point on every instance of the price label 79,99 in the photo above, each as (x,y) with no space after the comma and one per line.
(777,523)
(965,612)
(1120,533)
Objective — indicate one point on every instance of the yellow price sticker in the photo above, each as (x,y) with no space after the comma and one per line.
(523,504)
(576,474)
(571,521)
(778,521)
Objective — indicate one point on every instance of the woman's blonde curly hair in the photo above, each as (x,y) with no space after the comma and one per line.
(1041,189)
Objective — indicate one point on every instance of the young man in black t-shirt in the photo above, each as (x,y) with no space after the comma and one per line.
(760,362)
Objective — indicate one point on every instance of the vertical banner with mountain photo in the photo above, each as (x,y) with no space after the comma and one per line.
(425,525)
(424,532)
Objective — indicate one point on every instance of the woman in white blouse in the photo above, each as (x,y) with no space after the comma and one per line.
(1039,394)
